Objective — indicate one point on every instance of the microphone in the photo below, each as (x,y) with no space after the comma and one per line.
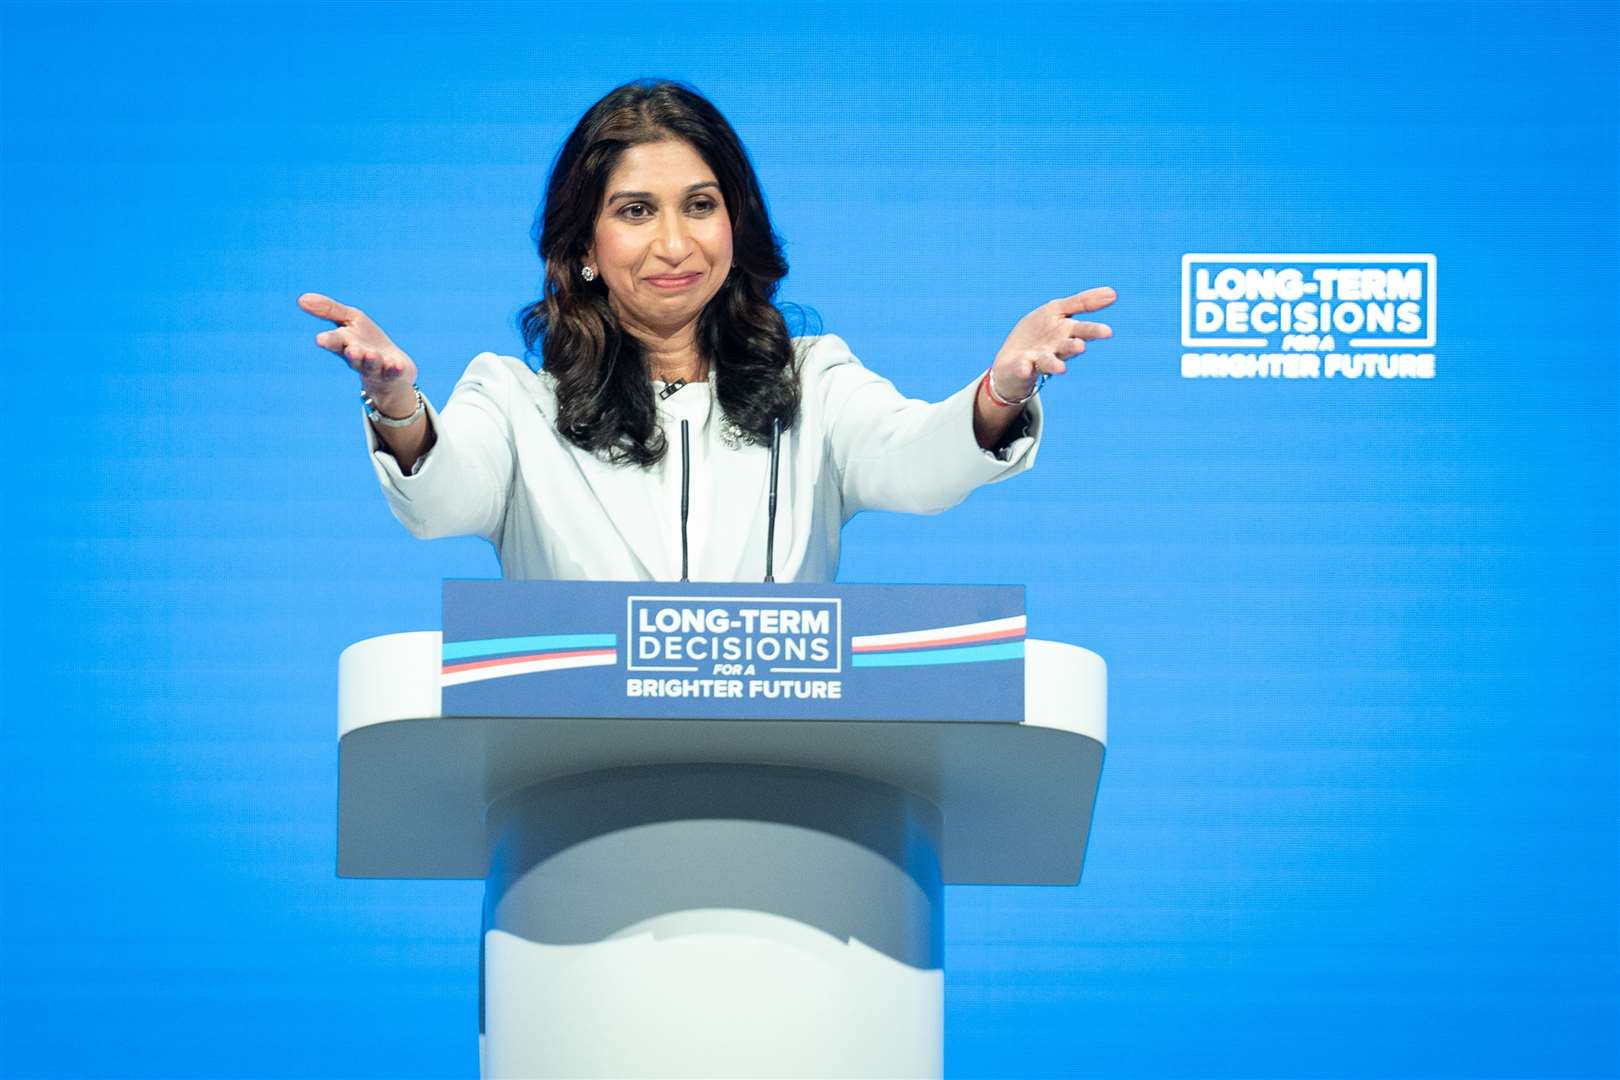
(686,487)
(770,521)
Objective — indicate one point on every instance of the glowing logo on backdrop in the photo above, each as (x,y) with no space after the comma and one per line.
(1308,316)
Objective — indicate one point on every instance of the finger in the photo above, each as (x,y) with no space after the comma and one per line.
(1090,331)
(1050,365)
(1087,300)
(1072,347)
(335,340)
(327,308)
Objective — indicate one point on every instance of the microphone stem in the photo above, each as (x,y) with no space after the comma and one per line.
(770,524)
(686,488)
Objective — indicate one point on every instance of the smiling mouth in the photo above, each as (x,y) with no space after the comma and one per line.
(673,281)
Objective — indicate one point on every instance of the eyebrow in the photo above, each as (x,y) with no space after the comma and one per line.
(617,195)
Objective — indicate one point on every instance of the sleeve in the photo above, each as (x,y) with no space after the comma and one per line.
(460,487)
(896,453)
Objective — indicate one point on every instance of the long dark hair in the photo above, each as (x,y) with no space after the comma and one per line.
(604,395)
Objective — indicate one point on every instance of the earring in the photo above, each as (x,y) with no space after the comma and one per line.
(588,273)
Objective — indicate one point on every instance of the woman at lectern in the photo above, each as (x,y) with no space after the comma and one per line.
(671,391)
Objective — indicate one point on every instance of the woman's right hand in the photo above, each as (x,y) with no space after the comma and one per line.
(385,371)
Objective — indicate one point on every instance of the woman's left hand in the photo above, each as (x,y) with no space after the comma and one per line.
(1045,339)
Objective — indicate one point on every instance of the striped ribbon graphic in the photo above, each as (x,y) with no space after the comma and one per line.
(497,658)
(967,643)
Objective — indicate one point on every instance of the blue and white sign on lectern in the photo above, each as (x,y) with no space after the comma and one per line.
(714,820)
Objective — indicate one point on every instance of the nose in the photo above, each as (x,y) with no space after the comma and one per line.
(672,244)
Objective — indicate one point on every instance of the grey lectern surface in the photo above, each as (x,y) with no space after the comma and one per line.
(712,897)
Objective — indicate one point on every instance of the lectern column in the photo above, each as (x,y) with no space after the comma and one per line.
(713,920)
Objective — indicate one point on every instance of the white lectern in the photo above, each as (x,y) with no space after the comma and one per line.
(712,897)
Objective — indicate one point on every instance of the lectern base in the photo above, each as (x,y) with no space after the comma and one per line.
(713,920)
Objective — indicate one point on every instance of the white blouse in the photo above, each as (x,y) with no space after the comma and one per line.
(499,469)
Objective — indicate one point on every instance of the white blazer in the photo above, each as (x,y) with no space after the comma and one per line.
(500,470)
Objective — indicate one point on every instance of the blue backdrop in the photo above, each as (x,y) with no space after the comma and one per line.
(1359,815)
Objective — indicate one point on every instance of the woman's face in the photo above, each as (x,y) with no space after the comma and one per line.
(663,237)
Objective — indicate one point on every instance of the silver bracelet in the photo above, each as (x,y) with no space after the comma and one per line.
(389,421)
(990,385)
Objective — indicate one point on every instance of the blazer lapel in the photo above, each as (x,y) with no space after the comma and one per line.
(628,498)
(632,504)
